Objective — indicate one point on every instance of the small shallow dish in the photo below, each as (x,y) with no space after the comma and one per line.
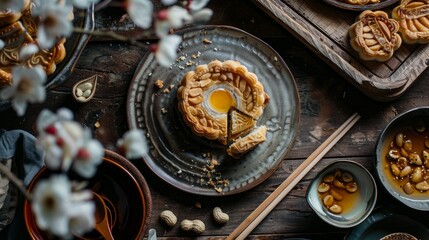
(406,119)
(358,7)
(381,224)
(80,84)
(125,192)
(364,200)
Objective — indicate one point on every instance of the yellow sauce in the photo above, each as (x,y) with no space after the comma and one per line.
(221,100)
(417,140)
(349,201)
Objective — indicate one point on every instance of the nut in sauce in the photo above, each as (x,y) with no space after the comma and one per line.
(338,191)
(406,159)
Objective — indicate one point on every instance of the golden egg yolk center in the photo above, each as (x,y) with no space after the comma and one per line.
(221,100)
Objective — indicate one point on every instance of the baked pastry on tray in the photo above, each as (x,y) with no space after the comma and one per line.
(413,18)
(221,93)
(374,36)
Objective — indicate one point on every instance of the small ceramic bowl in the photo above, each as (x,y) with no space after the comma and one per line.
(386,225)
(407,120)
(123,189)
(356,206)
(84,90)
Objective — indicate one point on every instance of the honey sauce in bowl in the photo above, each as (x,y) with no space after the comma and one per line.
(353,191)
(406,161)
(402,158)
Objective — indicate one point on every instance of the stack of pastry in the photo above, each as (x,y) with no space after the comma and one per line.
(18,29)
(222,101)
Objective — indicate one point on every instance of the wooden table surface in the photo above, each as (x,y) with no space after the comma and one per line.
(326,101)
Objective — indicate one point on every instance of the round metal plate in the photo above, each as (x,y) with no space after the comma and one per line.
(177,155)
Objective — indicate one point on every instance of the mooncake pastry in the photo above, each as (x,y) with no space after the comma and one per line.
(374,36)
(248,142)
(207,94)
(413,18)
(239,124)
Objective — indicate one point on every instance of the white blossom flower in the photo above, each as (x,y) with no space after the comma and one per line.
(60,137)
(13,5)
(168,2)
(54,24)
(134,144)
(196,5)
(202,15)
(82,4)
(171,18)
(53,152)
(165,51)
(89,156)
(27,86)
(50,204)
(66,143)
(47,118)
(28,50)
(81,213)
(140,11)
(59,210)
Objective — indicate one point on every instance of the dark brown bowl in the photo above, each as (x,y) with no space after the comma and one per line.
(122,184)
(353,7)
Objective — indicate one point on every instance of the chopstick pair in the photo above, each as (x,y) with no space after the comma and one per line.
(250,223)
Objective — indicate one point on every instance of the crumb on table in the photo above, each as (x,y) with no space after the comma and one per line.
(207,41)
(159,83)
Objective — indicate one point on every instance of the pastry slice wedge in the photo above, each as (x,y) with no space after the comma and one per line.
(244,144)
(239,123)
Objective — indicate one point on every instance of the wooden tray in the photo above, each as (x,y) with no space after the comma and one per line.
(324,29)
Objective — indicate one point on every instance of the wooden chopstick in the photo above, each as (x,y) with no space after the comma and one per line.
(250,223)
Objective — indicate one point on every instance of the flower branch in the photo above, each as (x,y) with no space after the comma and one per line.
(15,181)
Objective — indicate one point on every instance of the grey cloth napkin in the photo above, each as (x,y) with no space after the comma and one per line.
(18,147)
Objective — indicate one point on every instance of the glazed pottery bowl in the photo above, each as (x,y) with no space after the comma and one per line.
(123,189)
(358,194)
(391,172)
(386,225)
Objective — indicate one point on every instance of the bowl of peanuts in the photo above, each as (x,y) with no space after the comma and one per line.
(402,158)
(343,194)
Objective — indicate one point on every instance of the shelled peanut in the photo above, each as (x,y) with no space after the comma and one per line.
(84,91)
(408,158)
(334,188)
